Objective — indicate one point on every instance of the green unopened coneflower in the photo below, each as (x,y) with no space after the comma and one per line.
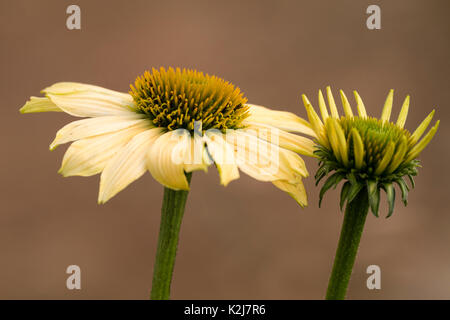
(369,155)
(171,123)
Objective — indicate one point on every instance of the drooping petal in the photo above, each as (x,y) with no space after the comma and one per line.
(196,157)
(295,190)
(83,100)
(127,165)
(39,104)
(95,126)
(89,156)
(265,161)
(166,159)
(286,140)
(386,113)
(223,156)
(280,119)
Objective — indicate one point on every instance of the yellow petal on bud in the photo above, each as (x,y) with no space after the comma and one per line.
(323,106)
(360,105)
(421,129)
(332,137)
(346,105)
(388,153)
(397,159)
(315,121)
(417,149)
(358,148)
(386,114)
(403,113)
(343,149)
(332,104)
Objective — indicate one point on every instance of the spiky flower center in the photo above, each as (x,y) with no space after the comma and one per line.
(175,99)
(377,136)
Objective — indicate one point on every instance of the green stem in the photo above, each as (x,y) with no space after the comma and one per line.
(352,228)
(171,216)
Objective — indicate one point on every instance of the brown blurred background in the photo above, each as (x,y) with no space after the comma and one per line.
(248,240)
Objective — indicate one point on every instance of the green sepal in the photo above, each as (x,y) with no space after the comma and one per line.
(390,193)
(352,178)
(321,172)
(332,181)
(344,193)
(374,196)
(413,184)
(404,188)
(356,187)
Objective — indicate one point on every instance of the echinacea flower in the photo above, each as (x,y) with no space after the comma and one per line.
(369,154)
(172,123)
(367,151)
(127,134)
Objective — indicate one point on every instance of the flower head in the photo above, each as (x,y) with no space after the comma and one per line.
(173,122)
(366,152)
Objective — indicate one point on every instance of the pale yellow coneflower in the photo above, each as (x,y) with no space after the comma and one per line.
(128,134)
(172,123)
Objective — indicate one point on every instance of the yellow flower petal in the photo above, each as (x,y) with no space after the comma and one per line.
(342,142)
(286,140)
(403,113)
(386,113)
(223,156)
(389,152)
(332,104)
(296,191)
(38,104)
(315,121)
(280,119)
(95,126)
(358,148)
(197,157)
(399,155)
(128,165)
(166,159)
(264,161)
(417,149)
(323,106)
(346,105)
(421,129)
(89,156)
(360,105)
(333,138)
(89,101)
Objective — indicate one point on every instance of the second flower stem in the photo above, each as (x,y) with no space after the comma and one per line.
(352,228)
(171,217)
